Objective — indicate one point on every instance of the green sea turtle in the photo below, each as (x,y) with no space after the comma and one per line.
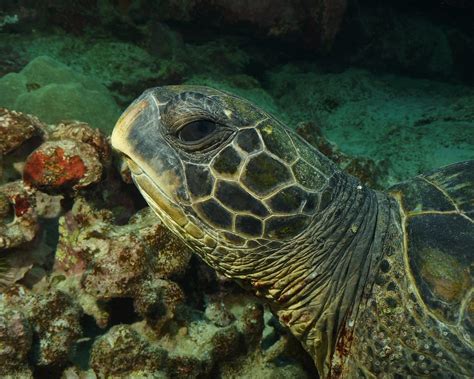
(373,284)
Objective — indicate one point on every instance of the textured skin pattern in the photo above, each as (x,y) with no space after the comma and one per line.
(344,267)
(416,318)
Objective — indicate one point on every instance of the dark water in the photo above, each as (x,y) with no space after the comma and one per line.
(384,88)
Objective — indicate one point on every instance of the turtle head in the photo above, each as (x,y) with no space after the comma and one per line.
(221,173)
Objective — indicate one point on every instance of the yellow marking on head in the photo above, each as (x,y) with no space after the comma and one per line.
(124,123)
(228,113)
(131,114)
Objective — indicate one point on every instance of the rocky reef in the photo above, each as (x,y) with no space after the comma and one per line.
(92,285)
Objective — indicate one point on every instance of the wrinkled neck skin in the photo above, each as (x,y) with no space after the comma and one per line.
(315,283)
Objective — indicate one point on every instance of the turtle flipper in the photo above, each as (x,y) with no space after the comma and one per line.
(449,189)
(438,223)
(456,182)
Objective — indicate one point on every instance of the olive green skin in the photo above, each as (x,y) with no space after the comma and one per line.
(262,206)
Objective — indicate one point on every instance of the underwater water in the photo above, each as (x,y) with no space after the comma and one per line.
(93,284)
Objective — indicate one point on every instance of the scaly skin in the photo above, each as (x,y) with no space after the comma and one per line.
(263,207)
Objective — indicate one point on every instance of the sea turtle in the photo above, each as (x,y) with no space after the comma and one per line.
(372,283)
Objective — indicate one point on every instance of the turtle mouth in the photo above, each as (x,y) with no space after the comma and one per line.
(163,206)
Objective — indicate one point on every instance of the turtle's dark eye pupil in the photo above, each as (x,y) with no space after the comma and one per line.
(196,130)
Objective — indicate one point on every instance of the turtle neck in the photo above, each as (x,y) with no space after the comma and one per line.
(315,283)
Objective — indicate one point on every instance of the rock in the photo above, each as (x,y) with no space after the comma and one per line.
(157,301)
(218,314)
(314,22)
(82,132)
(403,42)
(129,261)
(54,92)
(227,343)
(55,324)
(122,351)
(56,320)
(62,165)
(72,159)
(252,322)
(19,224)
(16,339)
(16,128)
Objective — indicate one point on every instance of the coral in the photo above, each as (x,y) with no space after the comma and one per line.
(19,222)
(16,128)
(54,320)
(72,159)
(123,351)
(54,92)
(62,165)
(16,338)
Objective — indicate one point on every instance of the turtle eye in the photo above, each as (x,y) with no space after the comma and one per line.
(196,131)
